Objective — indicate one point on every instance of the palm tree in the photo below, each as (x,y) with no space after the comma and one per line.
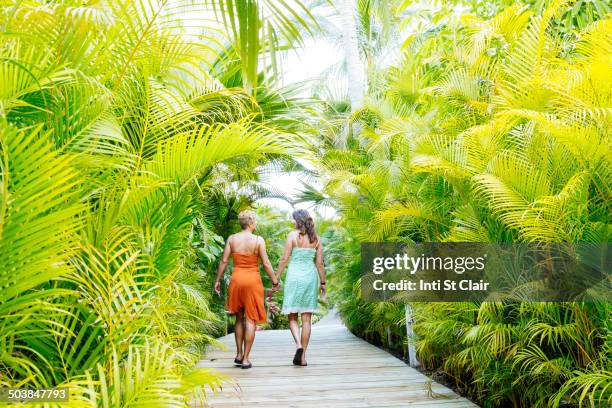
(487,132)
(260,29)
(356,77)
(112,126)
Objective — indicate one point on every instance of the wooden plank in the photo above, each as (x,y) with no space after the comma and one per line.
(343,371)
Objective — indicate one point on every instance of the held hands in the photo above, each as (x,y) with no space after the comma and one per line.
(323,290)
(275,285)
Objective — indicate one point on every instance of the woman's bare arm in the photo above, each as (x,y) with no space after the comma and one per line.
(282,264)
(320,266)
(266,262)
(223,265)
(319,263)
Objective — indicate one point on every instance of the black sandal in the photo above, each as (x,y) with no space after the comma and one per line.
(246,367)
(237,362)
(297,358)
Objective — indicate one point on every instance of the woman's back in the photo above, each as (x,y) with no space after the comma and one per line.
(302,241)
(246,292)
(246,288)
(244,243)
(303,256)
(302,281)
(305,277)
(303,251)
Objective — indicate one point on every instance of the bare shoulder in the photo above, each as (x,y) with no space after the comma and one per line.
(319,243)
(259,241)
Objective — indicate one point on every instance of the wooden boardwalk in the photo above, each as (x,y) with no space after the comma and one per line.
(343,371)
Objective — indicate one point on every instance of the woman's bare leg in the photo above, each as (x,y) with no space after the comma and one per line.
(306,327)
(239,334)
(295,329)
(249,338)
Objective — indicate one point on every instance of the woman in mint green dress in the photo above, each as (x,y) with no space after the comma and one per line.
(305,279)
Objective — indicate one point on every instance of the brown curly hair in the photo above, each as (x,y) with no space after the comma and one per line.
(305,224)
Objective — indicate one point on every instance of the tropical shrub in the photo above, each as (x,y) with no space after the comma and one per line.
(484,129)
(114,135)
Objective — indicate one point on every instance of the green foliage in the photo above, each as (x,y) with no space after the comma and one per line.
(262,28)
(488,128)
(117,147)
(128,144)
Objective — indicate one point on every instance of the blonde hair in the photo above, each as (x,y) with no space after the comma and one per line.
(246,218)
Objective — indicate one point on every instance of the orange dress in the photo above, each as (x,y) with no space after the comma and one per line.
(246,290)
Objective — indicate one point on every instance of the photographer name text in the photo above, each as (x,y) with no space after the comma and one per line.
(436,285)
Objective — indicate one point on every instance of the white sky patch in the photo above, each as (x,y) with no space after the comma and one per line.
(308,62)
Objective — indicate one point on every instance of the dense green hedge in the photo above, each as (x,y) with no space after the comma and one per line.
(485,129)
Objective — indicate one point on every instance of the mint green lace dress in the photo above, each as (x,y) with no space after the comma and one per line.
(301,284)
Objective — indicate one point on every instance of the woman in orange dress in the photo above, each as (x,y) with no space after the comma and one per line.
(246,291)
